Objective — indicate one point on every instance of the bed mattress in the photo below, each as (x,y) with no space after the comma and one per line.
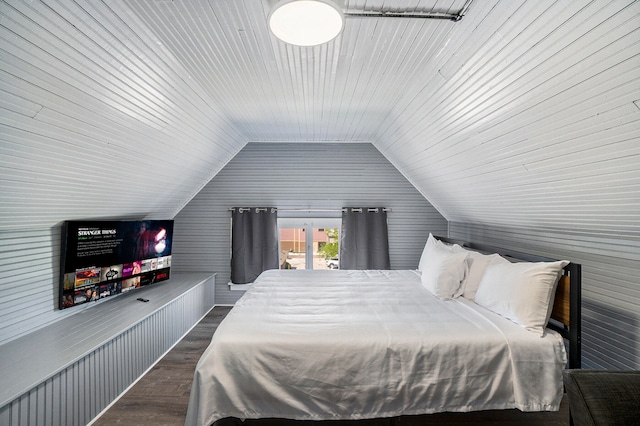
(326,345)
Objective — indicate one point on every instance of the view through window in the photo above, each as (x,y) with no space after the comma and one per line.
(309,243)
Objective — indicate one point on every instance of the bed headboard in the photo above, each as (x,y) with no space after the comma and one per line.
(566,314)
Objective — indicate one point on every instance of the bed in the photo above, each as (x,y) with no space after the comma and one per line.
(345,344)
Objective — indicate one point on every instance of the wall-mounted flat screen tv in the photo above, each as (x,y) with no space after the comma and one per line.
(105,258)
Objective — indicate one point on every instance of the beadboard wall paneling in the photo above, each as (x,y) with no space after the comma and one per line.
(610,284)
(287,175)
(29,280)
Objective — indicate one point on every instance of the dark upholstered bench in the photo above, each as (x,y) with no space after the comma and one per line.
(599,397)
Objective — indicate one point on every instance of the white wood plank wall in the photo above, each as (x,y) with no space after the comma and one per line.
(29,274)
(90,112)
(610,277)
(286,175)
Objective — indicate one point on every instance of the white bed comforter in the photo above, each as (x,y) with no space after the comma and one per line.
(364,344)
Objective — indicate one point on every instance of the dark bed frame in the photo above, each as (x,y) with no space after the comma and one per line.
(566,314)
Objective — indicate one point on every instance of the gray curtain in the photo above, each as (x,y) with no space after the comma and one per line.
(254,242)
(364,243)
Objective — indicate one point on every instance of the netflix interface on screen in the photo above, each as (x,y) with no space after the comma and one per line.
(105,258)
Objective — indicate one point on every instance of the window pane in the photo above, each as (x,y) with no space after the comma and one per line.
(293,248)
(325,243)
(309,243)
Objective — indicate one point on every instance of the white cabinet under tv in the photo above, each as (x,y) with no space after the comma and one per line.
(70,370)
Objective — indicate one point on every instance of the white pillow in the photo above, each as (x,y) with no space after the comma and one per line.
(443,271)
(478,263)
(432,241)
(522,292)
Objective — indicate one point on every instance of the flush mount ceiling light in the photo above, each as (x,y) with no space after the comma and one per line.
(306,22)
(314,22)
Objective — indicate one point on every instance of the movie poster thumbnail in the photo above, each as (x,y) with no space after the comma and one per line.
(130,284)
(145,265)
(85,295)
(127,270)
(164,262)
(111,273)
(69,281)
(154,276)
(87,276)
(67,300)
(109,289)
(162,274)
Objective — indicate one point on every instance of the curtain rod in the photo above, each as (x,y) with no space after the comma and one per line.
(371,209)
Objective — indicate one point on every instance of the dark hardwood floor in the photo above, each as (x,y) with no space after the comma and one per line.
(161,396)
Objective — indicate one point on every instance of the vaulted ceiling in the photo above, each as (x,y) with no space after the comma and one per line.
(524,113)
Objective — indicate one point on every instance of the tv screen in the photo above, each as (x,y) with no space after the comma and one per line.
(105,258)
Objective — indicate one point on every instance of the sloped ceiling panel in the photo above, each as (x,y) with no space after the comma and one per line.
(97,119)
(532,120)
(523,113)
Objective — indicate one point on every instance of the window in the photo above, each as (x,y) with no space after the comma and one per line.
(309,243)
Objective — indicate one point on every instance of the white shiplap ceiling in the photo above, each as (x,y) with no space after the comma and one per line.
(524,113)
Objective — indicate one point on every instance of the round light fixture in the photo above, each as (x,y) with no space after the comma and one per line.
(306,22)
